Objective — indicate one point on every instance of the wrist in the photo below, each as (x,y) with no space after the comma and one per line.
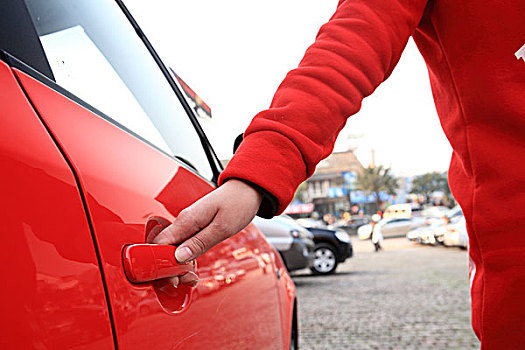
(247,190)
(269,204)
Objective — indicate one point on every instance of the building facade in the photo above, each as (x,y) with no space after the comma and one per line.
(329,189)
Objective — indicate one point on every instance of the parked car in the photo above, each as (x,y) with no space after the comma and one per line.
(405,210)
(291,240)
(456,234)
(392,227)
(331,248)
(99,151)
(352,224)
(309,222)
(424,234)
(434,229)
(434,211)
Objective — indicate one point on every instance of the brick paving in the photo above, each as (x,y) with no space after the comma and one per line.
(406,297)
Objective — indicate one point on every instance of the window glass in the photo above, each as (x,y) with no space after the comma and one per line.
(95,53)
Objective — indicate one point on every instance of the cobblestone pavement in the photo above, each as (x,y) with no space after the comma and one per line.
(406,297)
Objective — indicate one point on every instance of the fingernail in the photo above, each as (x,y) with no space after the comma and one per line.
(183,254)
(194,283)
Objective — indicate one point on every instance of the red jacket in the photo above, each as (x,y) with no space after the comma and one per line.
(471,49)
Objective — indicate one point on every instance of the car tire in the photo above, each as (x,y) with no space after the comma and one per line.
(325,259)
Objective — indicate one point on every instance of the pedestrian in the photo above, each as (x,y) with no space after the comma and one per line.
(475,53)
(377,233)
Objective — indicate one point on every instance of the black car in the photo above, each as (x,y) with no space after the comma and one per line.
(331,248)
(354,223)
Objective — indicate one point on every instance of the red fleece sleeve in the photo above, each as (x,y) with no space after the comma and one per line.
(353,53)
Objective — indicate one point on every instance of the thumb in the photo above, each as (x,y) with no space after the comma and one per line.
(223,225)
(209,221)
(201,242)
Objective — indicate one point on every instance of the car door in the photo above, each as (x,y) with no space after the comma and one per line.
(140,159)
(52,289)
(396,227)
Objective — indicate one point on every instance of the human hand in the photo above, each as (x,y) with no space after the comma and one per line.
(189,278)
(213,218)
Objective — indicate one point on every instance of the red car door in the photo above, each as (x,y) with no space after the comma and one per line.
(52,289)
(123,139)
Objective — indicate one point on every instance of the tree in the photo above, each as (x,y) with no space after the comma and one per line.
(374,180)
(428,183)
(447,193)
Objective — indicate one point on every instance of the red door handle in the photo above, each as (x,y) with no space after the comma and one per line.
(150,262)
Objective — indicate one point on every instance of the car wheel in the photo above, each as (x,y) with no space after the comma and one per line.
(325,260)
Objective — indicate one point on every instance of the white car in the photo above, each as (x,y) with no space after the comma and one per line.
(435,212)
(434,230)
(425,234)
(456,234)
(392,227)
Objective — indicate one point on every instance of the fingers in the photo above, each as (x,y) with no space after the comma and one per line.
(174,280)
(189,221)
(190,279)
(203,241)
(212,219)
(225,224)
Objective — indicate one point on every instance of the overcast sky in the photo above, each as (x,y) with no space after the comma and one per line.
(235,53)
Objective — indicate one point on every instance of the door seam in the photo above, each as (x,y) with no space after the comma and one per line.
(80,189)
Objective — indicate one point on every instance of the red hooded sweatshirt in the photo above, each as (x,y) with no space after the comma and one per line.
(475,53)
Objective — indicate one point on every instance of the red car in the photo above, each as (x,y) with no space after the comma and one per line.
(98,151)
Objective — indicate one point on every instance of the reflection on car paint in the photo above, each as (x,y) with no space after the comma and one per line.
(53,295)
(244,291)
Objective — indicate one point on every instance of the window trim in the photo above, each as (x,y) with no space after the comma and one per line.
(19,36)
(14,62)
(213,160)
(208,149)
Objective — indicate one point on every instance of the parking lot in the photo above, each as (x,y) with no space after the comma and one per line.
(408,296)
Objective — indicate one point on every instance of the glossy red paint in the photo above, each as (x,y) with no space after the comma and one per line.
(52,295)
(238,301)
(286,292)
(150,262)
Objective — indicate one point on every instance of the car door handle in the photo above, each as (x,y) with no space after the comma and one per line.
(150,262)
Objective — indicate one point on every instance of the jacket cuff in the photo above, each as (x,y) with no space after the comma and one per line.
(272,164)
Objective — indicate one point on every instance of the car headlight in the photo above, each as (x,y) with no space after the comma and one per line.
(304,234)
(342,236)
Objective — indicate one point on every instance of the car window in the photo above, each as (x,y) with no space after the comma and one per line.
(95,53)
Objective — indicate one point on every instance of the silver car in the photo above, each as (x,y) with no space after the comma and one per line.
(291,240)
(392,227)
